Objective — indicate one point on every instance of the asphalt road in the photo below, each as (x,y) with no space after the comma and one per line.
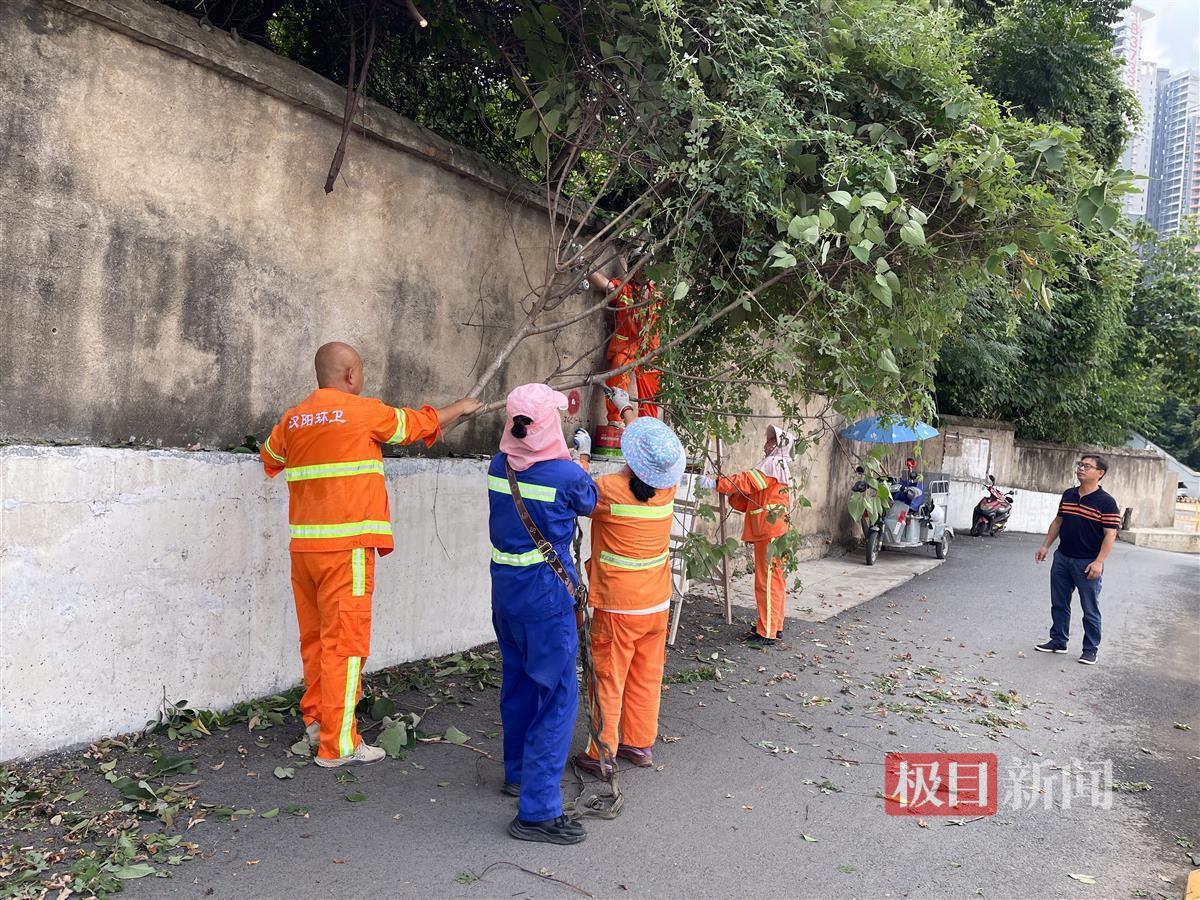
(726,817)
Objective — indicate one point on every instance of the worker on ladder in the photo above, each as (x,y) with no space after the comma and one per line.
(629,580)
(763,494)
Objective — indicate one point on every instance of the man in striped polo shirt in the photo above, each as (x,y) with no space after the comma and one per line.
(328,447)
(1086,527)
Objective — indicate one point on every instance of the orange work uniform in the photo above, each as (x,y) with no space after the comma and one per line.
(328,448)
(629,589)
(635,335)
(764,500)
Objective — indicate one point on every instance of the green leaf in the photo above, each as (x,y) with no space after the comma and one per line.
(913,233)
(893,281)
(270,813)
(1086,879)
(889,181)
(541,148)
(841,198)
(681,290)
(1086,210)
(357,797)
(1108,216)
(917,216)
(284,772)
(137,870)
(454,736)
(550,125)
(881,291)
(527,124)
(134,790)
(1009,250)
(862,251)
(874,200)
(887,362)
(825,218)
(394,740)
(785,261)
(1096,194)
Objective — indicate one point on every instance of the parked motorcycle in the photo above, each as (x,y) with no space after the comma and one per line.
(992,512)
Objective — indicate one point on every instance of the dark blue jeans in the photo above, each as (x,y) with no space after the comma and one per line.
(1067,576)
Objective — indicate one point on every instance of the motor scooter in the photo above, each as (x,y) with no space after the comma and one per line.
(992,512)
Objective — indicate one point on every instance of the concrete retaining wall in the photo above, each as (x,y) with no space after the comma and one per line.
(125,572)
(169,261)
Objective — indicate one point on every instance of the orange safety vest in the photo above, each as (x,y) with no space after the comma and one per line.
(630,564)
(328,448)
(639,326)
(764,500)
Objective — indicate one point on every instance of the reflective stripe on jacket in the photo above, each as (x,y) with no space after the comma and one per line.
(630,564)
(328,448)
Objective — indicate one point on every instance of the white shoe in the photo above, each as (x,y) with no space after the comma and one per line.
(313,733)
(363,753)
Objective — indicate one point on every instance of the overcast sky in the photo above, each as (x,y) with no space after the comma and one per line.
(1172,37)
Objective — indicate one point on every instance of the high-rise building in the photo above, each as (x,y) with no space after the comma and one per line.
(1127,42)
(1175,161)
(1138,155)
(1141,77)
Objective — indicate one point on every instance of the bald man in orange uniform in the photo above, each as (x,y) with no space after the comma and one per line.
(328,447)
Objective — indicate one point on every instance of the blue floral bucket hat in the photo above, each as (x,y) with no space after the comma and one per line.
(653,452)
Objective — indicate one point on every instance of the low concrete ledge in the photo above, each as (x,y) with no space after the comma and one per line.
(1172,539)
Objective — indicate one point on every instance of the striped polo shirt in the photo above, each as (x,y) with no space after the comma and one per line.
(1084,521)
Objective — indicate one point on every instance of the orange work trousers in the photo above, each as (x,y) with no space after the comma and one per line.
(647,381)
(629,652)
(770,590)
(333,607)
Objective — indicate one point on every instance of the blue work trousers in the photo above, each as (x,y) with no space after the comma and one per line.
(539,697)
(1066,576)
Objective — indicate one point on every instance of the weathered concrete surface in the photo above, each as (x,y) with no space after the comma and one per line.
(169,261)
(1174,539)
(126,573)
(823,588)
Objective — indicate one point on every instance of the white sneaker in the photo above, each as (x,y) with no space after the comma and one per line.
(313,733)
(363,753)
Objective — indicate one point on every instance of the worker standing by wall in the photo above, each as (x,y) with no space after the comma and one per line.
(629,581)
(328,447)
(533,612)
(763,494)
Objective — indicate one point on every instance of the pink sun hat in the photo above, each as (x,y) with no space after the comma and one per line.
(544,436)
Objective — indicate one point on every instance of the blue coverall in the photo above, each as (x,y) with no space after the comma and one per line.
(534,617)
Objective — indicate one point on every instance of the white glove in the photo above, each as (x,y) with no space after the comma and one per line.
(706,482)
(619,398)
(583,441)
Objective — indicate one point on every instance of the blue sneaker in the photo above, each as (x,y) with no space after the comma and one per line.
(1050,647)
(1088,658)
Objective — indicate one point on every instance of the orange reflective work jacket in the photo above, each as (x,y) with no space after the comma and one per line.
(764,500)
(630,566)
(638,327)
(328,449)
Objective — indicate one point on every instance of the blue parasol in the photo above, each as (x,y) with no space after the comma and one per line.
(887,430)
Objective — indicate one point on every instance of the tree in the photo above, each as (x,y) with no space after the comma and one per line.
(1053,62)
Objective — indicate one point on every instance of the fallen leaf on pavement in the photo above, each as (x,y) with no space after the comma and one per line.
(922,823)
(253,862)
(1183,727)
(809,838)
(1086,879)
(284,771)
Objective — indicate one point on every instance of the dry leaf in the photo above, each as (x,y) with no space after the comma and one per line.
(217,767)
(253,862)
(922,823)
(1086,879)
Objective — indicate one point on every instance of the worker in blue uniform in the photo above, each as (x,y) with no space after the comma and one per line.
(533,612)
